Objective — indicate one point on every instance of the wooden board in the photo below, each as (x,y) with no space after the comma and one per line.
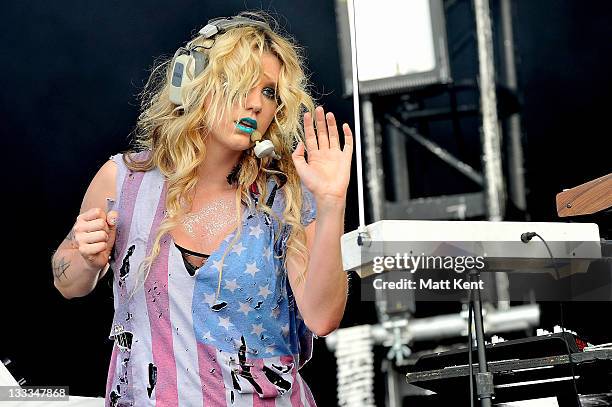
(586,199)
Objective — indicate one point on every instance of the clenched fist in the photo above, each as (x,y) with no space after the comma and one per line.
(94,235)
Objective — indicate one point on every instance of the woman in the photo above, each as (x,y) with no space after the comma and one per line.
(221,273)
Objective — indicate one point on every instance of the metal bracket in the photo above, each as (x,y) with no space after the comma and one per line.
(484,385)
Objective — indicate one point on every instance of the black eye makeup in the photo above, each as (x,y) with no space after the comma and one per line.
(269,92)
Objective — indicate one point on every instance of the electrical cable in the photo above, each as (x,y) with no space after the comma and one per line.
(470,343)
(526,238)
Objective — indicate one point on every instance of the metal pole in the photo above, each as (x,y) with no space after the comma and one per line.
(375,183)
(491,140)
(484,379)
(355,83)
(438,151)
(516,176)
(373,154)
(491,137)
(399,163)
(393,397)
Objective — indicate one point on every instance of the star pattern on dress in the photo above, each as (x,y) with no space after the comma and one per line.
(267,253)
(225,323)
(257,329)
(209,299)
(251,268)
(264,291)
(231,285)
(245,308)
(255,231)
(238,248)
(218,265)
(257,240)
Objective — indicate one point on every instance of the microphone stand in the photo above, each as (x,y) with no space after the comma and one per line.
(484,378)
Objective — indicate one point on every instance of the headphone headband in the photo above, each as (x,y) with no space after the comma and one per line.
(222,24)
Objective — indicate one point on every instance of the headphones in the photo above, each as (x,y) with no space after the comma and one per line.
(188,63)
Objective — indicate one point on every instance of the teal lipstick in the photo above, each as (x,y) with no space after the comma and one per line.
(247,125)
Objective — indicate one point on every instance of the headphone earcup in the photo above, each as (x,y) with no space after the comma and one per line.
(200,60)
(186,66)
(180,76)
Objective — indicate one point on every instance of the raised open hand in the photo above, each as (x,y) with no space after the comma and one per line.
(327,172)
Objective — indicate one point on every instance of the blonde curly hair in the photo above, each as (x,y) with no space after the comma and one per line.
(176,138)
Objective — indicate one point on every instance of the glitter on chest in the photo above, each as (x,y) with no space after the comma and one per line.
(211,220)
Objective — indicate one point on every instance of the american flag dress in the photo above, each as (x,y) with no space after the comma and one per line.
(175,342)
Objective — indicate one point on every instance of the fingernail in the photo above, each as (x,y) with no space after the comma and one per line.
(112,221)
(110,204)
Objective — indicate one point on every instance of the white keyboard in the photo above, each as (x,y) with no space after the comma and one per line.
(493,240)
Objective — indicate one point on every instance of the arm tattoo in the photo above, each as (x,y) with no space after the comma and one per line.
(59,267)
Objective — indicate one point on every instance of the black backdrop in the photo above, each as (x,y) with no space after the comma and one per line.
(70,73)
